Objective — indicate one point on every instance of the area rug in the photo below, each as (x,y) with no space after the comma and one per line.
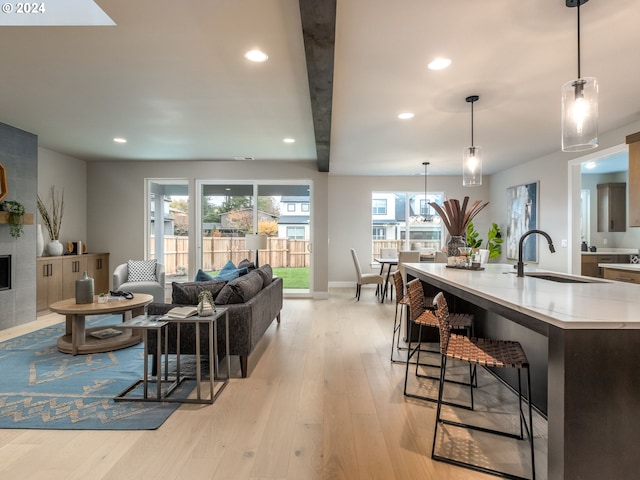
(41,388)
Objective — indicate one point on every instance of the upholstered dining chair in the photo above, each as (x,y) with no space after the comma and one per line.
(486,353)
(407,256)
(365,278)
(141,276)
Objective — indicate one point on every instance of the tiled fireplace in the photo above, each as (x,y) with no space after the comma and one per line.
(19,155)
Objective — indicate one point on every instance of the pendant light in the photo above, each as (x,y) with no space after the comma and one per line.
(472,158)
(579,105)
(425,216)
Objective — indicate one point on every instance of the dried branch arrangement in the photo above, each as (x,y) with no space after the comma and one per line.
(52,221)
(455,216)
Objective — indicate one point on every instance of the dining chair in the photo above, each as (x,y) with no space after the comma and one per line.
(365,278)
(388,253)
(485,353)
(421,314)
(407,256)
(440,257)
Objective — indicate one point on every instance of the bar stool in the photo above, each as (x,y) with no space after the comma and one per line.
(486,353)
(423,316)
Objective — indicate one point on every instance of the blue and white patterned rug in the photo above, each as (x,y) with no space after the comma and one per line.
(42,388)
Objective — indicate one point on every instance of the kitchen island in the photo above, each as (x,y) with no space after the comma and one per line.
(592,336)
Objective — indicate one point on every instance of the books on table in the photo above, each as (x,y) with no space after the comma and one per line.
(182,312)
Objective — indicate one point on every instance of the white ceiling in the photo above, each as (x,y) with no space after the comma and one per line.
(171,78)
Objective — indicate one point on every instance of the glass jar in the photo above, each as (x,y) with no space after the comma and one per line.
(453,244)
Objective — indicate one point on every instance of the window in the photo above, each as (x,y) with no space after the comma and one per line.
(295,233)
(304,207)
(379,233)
(379,206)
(291,207)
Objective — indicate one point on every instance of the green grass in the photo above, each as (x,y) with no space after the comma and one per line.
(292,277)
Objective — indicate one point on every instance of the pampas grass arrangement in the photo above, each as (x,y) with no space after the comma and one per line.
(53,220)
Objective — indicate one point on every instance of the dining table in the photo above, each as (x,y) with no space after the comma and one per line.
(389,263)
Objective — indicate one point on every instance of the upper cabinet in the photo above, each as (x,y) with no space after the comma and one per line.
(634,179)
(612,207)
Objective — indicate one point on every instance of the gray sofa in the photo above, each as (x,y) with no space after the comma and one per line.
(254,300)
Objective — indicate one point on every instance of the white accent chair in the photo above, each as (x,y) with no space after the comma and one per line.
(121,275)
(365,278)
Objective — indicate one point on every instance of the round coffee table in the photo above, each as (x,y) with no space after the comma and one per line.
(79,339)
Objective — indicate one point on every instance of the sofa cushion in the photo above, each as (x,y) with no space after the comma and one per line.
(240,290)
(266,273)
(187,293)
(249,265)
(202,276)
(141,271)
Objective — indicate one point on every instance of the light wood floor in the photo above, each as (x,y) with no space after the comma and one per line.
(322,401)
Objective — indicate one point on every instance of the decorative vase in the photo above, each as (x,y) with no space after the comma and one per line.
(205,309)
(84,289)
(55,248)
(453,244)
(39,241)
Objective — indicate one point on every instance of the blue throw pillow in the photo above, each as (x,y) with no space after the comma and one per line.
(202,276)
(229,266)
(231,274)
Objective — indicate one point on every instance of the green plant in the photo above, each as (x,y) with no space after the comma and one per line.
(52,221)
(15,218)
(206,294)
(494,239)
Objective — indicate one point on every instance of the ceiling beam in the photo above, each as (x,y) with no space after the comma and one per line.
(319,32)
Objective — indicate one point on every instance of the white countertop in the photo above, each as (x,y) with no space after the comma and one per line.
(601,304)
(613,251)
(632,267)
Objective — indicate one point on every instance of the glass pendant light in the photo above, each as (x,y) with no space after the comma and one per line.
(472,158)
(579,106)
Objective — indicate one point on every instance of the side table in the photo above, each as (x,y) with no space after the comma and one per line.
(216,384)
(144,323)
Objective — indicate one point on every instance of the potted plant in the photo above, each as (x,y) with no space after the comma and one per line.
(456,217)
(53,220)
(494,239)
(206,307)
(15,217)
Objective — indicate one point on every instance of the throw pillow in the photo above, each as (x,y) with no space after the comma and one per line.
(202,276)
(266,273)
(229,266)
(231,274)
(187,293)
(250,266)
(240,290)
(141,271)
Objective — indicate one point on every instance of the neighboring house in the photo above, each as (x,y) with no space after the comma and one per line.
(294,218)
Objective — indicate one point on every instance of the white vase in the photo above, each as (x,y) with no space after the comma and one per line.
(39,241)
(55,248)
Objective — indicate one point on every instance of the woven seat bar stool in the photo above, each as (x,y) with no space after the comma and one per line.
(486,353)
(423,316)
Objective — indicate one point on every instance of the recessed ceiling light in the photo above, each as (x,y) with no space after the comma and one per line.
(289,140)
(590,165)
(439,63)
(256,56)
(406,115)
(120,140)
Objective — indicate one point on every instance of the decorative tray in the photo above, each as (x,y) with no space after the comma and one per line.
(466,268)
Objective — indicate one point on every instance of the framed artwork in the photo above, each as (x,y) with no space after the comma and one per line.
(522,208)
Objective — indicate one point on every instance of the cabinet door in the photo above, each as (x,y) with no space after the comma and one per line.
(73,266)
(590,266)
(612,207)
(98,268)
(621,275)
(48,281)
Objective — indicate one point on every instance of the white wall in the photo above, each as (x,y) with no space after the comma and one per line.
(68,174)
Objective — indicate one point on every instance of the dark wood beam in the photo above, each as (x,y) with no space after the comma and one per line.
(319,32)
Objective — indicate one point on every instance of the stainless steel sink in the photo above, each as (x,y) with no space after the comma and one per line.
(557,277)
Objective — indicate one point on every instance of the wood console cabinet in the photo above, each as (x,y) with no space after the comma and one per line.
(56,276)
(590,263)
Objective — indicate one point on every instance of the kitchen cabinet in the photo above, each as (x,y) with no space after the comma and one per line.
(48,281)
(634,179)
(56,276)
(612,207)
(621,275)
(589,264)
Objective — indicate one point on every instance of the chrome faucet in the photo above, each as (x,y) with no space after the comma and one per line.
(520,265)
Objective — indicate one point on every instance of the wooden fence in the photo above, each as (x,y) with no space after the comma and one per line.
(217,251)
